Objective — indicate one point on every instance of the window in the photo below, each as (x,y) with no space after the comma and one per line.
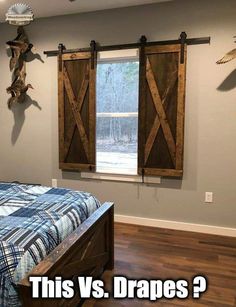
(123,112)
(117,112)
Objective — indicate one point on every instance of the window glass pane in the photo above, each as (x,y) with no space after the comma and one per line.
(117,116)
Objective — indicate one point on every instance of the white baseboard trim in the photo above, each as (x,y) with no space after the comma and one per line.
(222,231)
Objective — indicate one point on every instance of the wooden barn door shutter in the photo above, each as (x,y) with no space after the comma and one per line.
(161,110)
(77,74)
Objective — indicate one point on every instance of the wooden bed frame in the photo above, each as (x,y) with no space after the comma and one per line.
(88,251)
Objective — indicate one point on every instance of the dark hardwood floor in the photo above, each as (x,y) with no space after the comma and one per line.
(153,253)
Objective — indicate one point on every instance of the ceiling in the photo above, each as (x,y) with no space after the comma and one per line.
(47,8)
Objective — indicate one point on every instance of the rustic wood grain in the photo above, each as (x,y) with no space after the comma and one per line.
(157,124)
(163,172)
(92,109)
(142,108)
(77,112)
(61,110)
(77,166)
(160,110)
(154,253)
(79,101)
(162,49)
(76,108)
(76,56)
(151,138)
(181,112)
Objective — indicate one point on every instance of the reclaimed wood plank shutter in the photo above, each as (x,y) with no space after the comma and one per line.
(161,110)
(77,78)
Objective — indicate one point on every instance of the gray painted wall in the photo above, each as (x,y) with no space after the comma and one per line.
(28,135)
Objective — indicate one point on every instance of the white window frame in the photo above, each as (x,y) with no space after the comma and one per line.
(119,56)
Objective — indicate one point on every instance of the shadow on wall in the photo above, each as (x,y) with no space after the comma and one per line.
(18,111)
(229,83)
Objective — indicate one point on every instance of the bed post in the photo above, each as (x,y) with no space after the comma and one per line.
(110,264)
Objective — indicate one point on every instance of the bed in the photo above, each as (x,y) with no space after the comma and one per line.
(51,232)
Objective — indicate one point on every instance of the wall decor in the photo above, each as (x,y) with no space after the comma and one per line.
(19,47)
(19,15)
(161,105)
(231,55)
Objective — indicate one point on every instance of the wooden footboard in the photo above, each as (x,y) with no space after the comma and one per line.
(88,251)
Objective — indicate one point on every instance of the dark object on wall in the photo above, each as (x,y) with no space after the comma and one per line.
(88,251)
(19,47)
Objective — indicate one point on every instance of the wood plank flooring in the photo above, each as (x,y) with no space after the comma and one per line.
(153,253)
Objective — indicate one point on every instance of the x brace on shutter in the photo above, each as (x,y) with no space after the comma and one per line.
(76,105)
(160,120)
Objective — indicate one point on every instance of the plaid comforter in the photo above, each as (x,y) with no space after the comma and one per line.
(33,221)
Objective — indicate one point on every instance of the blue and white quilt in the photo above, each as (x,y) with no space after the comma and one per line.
(33,221)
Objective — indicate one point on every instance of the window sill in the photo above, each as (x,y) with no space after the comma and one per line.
(121,178)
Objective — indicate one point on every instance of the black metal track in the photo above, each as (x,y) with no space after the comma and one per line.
(189,41)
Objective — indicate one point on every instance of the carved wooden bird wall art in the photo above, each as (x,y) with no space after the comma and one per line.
(19,47)
(231,55)
(19,15)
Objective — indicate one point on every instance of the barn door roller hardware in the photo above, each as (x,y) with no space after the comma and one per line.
(93,49)
(182,40)
(143,42)
(61,47)
(93,46)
